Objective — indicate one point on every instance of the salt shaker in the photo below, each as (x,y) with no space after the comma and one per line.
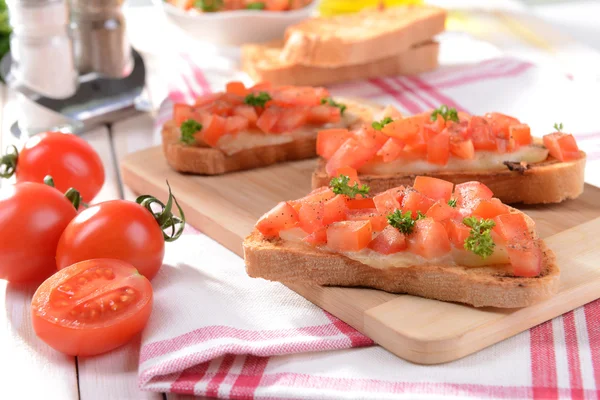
(99,39)
(41,48)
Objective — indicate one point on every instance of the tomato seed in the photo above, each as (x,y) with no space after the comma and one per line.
(82,281)
(129,291)
(114,308)
(124,299)
(109,274)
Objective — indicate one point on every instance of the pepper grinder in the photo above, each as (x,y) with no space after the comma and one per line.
(72,58)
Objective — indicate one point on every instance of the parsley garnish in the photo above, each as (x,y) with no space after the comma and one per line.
(378,125)
(452,202)
(558,127)
(257,99)
(449,114)
(255,6)
(208,5)
(420,215)
(480,239)
(333,103)
(340,185)
(188,130)
(403,222)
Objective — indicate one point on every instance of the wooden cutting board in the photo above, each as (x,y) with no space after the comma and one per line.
(420,330)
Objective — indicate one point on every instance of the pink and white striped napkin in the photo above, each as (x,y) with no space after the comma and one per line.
(216,332)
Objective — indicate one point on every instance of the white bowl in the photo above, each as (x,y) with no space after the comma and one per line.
(234,28)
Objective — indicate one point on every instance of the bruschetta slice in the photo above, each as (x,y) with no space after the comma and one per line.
(495,149)
(435,240)
(243,128)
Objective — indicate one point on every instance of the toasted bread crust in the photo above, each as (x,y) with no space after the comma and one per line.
(360,38)
(278,260)
(263,63)
(549,181)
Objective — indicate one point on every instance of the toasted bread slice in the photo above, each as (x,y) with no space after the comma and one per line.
(360,38)
(549,181)
(204,160)
(492,286)
(263,63)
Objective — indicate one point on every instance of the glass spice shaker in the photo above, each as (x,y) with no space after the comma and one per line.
(41,49)
(99,39)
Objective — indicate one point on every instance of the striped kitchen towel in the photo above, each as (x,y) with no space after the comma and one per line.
(215,332)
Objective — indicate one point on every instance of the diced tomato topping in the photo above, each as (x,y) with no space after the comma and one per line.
(207,99)
(468,194)
(318,195)
(437,189)
(386,203)
(414,151)
(311,216)
(298,96)
(431,129)
(500,124)
(260,86)
(438,149)
(318,237)
(350,173)
(389,241)
(463,149)
(268,119)
(290,119)
(457,232)
(369,137)
(391,150)
(219,107)
(429,239)
(414,201)
(183,112)
(525,258)
(236,124)
(329,140)
(282,216)
(323,114)
(247,112)
(441,211)
(481,134)
(335,209)
(389,111)
(213,127)
(490,208)
(355,204)
(378,221)
(406,129)
(505,145)
(349,235)
(512,227)
(562,146)
(236,87)
(521,134)
(350,154)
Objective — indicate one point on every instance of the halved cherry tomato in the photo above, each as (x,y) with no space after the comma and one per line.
(463,149)
(521,134)
(350,154)
(468,194)
(437,189)
(391,150)
(334,209)
(562,146)
(237,88)
(386,203)
(429,239)
(349,235)
(33,217)
(311,216)
(414,202)
(282,216)
(441,211)
(329,140)
(213,127)
(378,221)
(70,160)
(91,307)
(389,241)
(122,230)
(490,208)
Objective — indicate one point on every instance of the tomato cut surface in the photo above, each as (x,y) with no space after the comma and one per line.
(438,149)
(389,241)
(441,211)
(481,134)
(429,239)
(369,137)
(463,149)
(391,150)
(562,146)
(350,154)
(386,203)
(357,203)
(521,134)
(213,127)
(329,140)
(378,221)
(468,194)
(334,209)
(311,216)
(237,88)
(349,235)
(437,189)
(490,208)
(282,216)
(91,307)
(414,202)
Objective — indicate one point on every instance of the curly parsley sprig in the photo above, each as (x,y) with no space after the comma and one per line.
(341,185)
(404,222)
(558,127)
(452,203)
(449,114)
(257,99)
(480,239)
(378,125)
(188,129)
(209,5)
(333,103)
(255,6)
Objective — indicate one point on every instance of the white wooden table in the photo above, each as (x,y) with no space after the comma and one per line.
(29,368)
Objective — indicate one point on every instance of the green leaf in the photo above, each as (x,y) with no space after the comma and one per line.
(452,202)
(188,129)
(558,127)
(378,125)
(449,114)
(209,5)
(340,185)
(333,103)
(257,99)
(255,6)
(480,239)
(403,222)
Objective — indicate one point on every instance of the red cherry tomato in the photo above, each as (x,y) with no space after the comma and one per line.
(70,160)
(91,307)
(117,229)
(33,217)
